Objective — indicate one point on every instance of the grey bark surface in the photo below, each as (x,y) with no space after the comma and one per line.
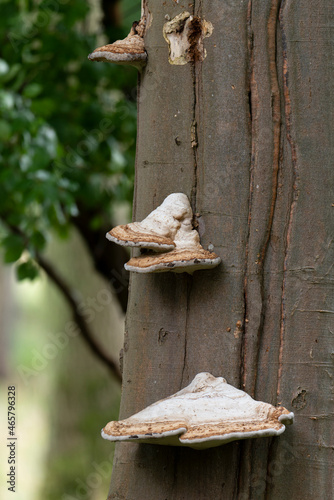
(260,180)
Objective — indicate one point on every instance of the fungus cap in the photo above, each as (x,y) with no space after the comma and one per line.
(167,229)
(129,51)
(158,230)
(207,413)
(133,235)
(178,261)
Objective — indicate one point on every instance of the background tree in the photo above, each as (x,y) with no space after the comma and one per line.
(67,131)
(67,142)
(258,176)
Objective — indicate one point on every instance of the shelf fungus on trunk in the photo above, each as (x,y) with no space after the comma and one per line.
(180,260)
(207,413)
(169,234)
(129,51)
(158,230)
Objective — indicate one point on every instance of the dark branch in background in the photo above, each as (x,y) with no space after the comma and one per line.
(112,18)
(74,305)
(78,316)
(108,258)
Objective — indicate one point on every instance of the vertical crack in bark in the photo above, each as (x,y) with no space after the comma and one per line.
(196,68)
(251,93)
(194,138)
(239,461)
(189,283)
(239,476)
(276,121)
(176,463)
(276,108)
(250,348)
(196,74)
(134,209)
(271,451)
(276,118)
(295,192)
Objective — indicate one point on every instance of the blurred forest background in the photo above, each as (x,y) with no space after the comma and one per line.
(67,150)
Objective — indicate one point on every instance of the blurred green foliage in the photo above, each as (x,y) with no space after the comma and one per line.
(67,126)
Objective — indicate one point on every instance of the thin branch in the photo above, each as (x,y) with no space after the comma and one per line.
(112,16)
(79,318)
(74,305)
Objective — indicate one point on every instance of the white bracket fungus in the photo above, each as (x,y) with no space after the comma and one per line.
(129,51)
(207,413)
(168,231)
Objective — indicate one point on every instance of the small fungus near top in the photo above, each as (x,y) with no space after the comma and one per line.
(158,230)
(207,413)
(129,51)
(168,231)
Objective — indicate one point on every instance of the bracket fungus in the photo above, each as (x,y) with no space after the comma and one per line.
(129,51)
(207,413)
(169,234)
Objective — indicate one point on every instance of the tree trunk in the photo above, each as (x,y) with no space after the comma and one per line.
(259,179)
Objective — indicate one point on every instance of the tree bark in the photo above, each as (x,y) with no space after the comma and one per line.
(259,178)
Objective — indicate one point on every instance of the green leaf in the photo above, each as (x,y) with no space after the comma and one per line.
(60,148)
(4,67)
(47,139)
(44,107)
(38,240)
(32,90)
(13,71)
(14,247)
(27,270)
(25,162)
(5,130)
(6,100)
(41,175)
